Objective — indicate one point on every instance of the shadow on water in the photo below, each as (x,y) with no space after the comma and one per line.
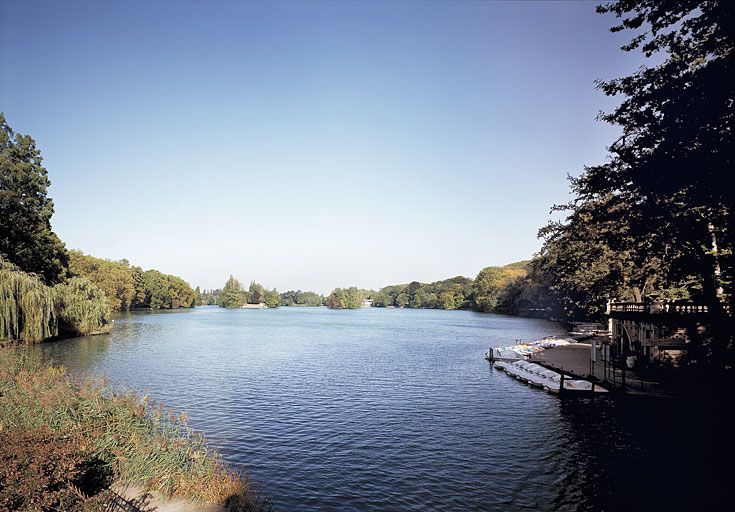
(88,351)
(397,410)
(642,454)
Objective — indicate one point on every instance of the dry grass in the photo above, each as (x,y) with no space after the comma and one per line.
(138,443)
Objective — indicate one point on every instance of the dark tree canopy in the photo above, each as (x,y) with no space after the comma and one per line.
(26,238)
(673,163)
(655,220)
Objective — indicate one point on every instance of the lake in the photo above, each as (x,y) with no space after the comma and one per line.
(395,409)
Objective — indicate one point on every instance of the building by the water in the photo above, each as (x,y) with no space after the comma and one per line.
(647,333)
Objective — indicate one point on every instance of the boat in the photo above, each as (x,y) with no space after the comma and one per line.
(573,385)
(519,370)
(543,378)
(523,351)
(500,365)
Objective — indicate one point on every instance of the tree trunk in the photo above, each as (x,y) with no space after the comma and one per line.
(717,271)
(712,288)
(637,295)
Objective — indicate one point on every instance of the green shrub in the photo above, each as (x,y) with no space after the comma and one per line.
(82,308)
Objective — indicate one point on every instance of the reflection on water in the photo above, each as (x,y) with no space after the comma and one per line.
(393,409)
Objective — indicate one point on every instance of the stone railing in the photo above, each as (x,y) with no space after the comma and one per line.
(654,308)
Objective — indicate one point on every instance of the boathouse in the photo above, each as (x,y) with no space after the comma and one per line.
(648,333)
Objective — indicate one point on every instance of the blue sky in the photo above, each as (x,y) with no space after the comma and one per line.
(309,145)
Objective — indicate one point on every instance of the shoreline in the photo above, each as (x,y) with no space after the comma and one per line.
(112,446)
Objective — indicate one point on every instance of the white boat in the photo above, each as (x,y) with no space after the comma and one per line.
(549,380)
(500,365)
(573,385)
(522,351)
(520,370)
(537,375)
(583,385)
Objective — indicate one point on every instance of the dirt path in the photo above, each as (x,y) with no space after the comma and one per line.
(135,499)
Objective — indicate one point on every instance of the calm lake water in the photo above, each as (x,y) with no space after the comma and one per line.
(388,409)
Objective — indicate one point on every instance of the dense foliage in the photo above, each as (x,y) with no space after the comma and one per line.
(114,277)
(347,298)
(299,298)
(484,293)
(128,287)
(233,295)
(451,293)
(207,297)
(26,238)
(491,283)
(45,470)
(82,308)
(236,297)
(256,293)
(31,311)
(164,291)
(271,298)
(27,312)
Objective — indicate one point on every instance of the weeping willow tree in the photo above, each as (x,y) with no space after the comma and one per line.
(31,312)
(27,307)
(82,308)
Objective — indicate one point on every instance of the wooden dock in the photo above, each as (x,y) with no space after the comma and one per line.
(575,360)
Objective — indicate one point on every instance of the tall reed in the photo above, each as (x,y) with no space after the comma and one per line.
(140,443)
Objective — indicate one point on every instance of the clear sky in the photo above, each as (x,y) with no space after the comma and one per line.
(308,145)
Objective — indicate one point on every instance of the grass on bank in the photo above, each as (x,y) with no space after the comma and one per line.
(64,443)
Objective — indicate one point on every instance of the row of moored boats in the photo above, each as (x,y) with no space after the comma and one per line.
(524,350)
(540,377)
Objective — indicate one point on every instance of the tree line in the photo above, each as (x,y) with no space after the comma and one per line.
(129,287)
(45,289)
(346,298)
(235,295)
(487,292)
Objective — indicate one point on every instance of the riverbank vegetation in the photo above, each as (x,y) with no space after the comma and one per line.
(65,443)
(346,298)
(299,298)
(45,290)
(31,311)
(488,292)
(129,287)
(234,295)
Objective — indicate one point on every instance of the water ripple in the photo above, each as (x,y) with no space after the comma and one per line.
(371,410)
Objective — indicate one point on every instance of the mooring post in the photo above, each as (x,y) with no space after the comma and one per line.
(561,385)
